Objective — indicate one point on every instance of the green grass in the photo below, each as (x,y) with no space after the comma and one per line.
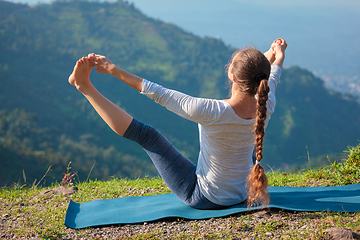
(337,173)
(27,215)
(44,216)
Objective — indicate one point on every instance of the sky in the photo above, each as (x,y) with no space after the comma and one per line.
(313,29)
(323,35)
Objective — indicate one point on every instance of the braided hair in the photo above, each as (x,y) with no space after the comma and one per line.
(251,70)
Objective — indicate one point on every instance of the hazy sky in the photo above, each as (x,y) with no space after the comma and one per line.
(344,4)
(323,35)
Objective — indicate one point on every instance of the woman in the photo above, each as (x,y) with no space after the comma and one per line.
(225,174)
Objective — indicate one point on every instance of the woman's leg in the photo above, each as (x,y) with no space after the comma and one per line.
(117,119)
(177,171)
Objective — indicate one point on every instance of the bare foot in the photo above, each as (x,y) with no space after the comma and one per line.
(80,77)
(269,54)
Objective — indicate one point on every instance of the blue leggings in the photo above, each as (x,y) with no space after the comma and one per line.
(177,171)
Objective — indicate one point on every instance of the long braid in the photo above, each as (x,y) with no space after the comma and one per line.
(251,70)
(257,179)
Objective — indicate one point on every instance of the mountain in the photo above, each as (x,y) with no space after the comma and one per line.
(313,34)
(310,120)
(45,122)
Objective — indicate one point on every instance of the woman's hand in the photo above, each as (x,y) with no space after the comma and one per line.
(102,63)
(271,53)
(279,46)
(280,41)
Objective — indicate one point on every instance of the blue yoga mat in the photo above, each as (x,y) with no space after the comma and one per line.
(129,210)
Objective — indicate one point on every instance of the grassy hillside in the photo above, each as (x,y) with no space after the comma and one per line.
(309,120)
(45,122)
(25,213)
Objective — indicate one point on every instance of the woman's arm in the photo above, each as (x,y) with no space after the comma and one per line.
(280,46)
(276,57)
(188,107)
(199,110)
(104,65)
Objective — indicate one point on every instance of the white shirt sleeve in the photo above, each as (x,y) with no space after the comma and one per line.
(199,110)
(274,79)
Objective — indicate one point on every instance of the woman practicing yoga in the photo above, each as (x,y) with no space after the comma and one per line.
(229,129)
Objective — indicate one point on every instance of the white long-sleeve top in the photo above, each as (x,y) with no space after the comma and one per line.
(226,140)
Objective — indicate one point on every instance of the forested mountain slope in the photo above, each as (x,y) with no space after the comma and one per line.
(44,121)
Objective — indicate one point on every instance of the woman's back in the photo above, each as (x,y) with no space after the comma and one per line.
(228,129)
(226,140)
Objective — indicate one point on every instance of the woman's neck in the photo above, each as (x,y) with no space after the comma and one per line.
(243,104)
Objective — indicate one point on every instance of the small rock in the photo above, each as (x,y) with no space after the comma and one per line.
(338,234)
(262,214)
(277,219)
(269,234)
(95,199)
(59,190)
(303,227)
